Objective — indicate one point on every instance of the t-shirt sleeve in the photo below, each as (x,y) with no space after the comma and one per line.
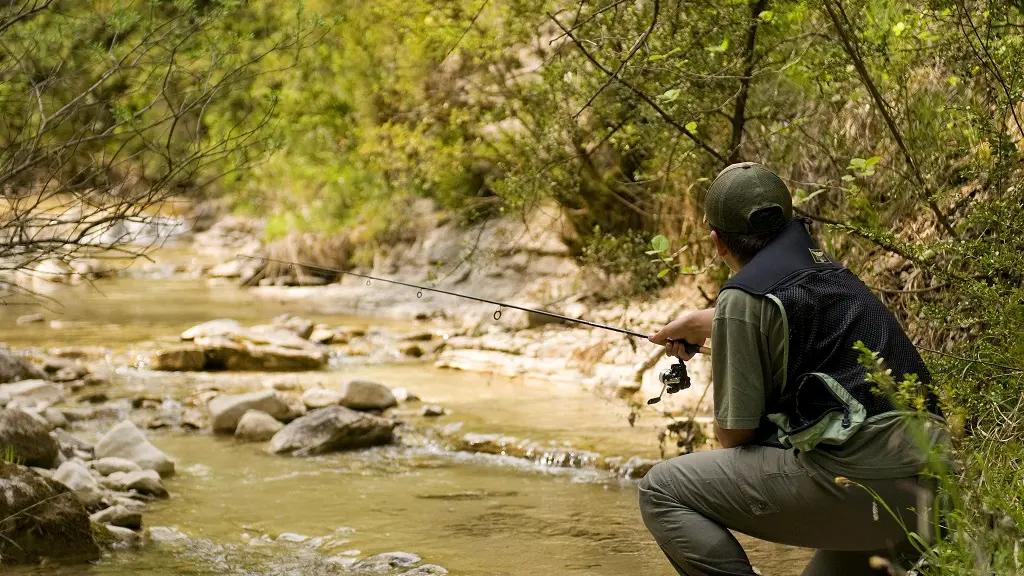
(741,364)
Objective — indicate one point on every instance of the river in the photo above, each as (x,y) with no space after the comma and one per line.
(473,514)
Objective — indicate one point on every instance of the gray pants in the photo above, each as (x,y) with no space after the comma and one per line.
(689,503)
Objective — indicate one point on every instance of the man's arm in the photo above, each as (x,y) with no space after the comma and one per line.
(694,328)
(735,437)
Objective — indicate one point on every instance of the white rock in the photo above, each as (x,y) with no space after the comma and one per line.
(109,465)
(75,476)
(226,410)
(164,534)
(322,336)
(55,418)
(320,397)
(37,394)
(212,328)
(293,538)
(127,441)
(256,426)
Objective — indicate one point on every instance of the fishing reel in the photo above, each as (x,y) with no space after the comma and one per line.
(675,378)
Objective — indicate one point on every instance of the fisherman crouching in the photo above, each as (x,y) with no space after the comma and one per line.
(803,431)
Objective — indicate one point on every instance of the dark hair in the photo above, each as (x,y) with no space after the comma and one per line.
(745,246)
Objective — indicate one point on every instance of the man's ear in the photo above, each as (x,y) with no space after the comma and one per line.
(719,244)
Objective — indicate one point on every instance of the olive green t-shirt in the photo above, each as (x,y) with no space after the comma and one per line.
(748,365)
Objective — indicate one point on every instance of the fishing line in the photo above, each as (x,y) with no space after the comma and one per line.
(690,348)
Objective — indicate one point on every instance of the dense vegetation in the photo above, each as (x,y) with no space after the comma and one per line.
(898,125)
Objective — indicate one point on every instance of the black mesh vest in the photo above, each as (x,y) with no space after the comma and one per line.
(827,310)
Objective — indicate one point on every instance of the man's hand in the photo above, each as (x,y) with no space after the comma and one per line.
(694,328)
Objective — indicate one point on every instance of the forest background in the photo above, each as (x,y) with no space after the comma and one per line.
(899,127)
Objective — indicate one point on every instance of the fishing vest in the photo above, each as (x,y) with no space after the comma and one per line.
(826,309)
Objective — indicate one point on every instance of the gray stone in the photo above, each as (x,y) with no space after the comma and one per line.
(27,438)
(57,528)
(403,395)
(37,394)
(292,538)
(119,516)
(178,359)
(256,426)
(366,395)
(109,465)
(332,429)
(224,353)
(386,562)
(30,319)
(432,411)
(142,481)
(226,410)
(14,368)
(69,444)
(78,479)
(55,418)
(127,441)
(212,328)
(320,398)
(124,537)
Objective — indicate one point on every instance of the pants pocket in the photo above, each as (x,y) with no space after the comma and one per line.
(767,478)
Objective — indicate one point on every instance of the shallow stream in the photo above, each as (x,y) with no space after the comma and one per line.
(473,514)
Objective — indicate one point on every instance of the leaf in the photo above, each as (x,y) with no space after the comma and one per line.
(664,273)
(873,160)
(848,178)
(899,28)
(766,16)
(660,243)
(691,126)
(670,95)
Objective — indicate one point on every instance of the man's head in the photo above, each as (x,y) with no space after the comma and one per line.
(746,206)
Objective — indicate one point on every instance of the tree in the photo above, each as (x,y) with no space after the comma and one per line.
(110,113)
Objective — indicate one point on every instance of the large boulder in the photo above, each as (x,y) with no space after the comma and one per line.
(81,482)
(184,358)
(127,441)
(256,426)
(41,518)
(227,410)
(38,394)
(332,429)
(366,395)
(27,439)
(14,368)
(223,353)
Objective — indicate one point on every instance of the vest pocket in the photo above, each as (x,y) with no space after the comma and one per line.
(820,411)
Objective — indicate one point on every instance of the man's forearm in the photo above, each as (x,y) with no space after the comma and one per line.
(700,324)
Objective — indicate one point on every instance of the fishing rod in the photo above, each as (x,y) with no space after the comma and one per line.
(673,380)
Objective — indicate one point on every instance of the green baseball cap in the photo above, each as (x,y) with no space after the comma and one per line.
(747,198)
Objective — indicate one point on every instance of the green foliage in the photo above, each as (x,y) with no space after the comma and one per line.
(10,455)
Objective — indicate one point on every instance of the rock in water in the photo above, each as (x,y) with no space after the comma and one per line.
(226,410)
(332,429)
(54,525)
(320,398)
(81,482)
(142,481)
(127,441)
(366,395)
(69,444)
(119,516)
(212,328)
(14,368)
(256,426)
(301,327)
(178,359)
(107,466)
(38,394)
(27,439)
(386,562)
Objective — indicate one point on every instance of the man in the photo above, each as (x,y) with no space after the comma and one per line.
(792,408)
